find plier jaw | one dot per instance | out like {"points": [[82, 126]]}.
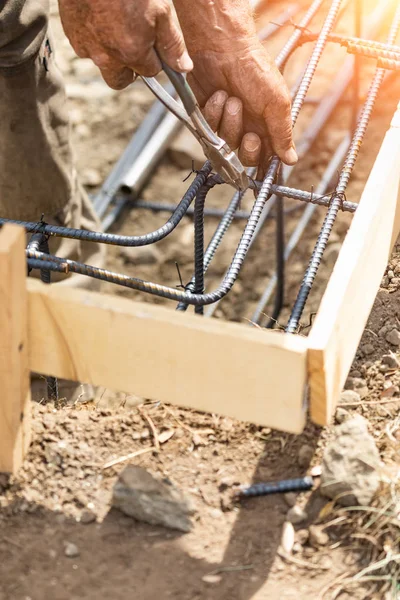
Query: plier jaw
{"points": [[223, 160], [226, 163]]}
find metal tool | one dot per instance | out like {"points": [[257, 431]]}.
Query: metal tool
{"points": [[224, 161]]}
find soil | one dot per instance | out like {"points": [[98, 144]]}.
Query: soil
{"points": [[62, 495]]}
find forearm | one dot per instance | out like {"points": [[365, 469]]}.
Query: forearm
{"points": [[215, 24]]}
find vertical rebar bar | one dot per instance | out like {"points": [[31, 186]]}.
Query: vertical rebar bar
{"points": [[338, 196], [199, 244]]}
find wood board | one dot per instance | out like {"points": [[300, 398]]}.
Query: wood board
{"points": [[352, 288]]}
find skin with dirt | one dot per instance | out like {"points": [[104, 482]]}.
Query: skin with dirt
{"points": [[62, 495]]}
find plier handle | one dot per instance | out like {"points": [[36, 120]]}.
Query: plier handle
{"points": [[224, 161]]}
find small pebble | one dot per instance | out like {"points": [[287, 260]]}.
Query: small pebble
{"points": [[145, 434], [302, 536], [290, 498], [71, 550], [211, 579], [87, 517], [390, 274], [318, 537], [287, 540], [368, 349], [391, 361], [393, 337], [305, 456], [296, 515], [341, 415], [350, 396]]}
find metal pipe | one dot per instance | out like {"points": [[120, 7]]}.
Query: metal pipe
{"points": [[133, 150]]}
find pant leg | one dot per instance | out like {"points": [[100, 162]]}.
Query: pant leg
{"points": [[37, 174]]}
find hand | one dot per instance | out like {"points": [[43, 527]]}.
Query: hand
{"points": [[246, 100], [122, 36]]}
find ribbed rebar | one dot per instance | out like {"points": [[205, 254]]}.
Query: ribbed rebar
{"points": [[199, 244], [346, 172], [122, 240], [373, 52], [386, 63]]}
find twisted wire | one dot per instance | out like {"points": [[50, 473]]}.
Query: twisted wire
{"points": [[338, 196]]}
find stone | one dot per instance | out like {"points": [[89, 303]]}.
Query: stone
{"points": [[391, 361], [390, 274], [357, 384], [87, 517], [91, 177], [302, 536], [341, 415], [288, 538], [290, 498], [142, 255], [71, 550], [297, 515], [367, 349], [350, 397], [305, 456], [351, 465], [393, 337], [140, 495], [212, 579], [317, 536]]}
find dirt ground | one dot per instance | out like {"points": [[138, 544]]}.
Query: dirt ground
{"points": [[62, 494]]}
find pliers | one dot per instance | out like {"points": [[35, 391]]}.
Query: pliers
{"points": [[224, 161]]}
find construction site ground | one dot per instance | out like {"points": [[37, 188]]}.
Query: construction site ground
{"points": [[62, 495]]}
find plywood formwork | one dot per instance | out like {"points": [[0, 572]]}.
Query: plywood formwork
{"points": [[235, 370]]}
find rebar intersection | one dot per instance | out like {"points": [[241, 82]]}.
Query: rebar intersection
{"points": [[270, 191]]}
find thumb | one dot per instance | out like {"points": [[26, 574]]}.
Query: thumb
{"points": [[170, 44]]}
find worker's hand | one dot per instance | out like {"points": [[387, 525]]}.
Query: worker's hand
{"points": [[121, 37], [246, 100]]}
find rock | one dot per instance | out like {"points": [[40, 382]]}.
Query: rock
{"points": [[290, 498], [212, 579], [287, 540], [393, 337], [305, 456], [351, 464], [367, 349], [87, 517], [140, 495], [91, 177], [390, 274], [391, 361], [357, 384], [350, 396], [341, 415], [302, 536], [142, 255], [297, 515], [317, 536], [71, 550]]}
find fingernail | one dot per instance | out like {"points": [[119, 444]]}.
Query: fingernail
{"points": [[252, 145], [290, 157], [234, 107], [185, 63]]}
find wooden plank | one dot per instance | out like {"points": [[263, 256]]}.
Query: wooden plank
{"points": [[14, 370], [351, 291], [156, 353]]}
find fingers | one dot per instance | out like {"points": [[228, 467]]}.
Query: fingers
{"points": [[170, 44], [250, 150], [214, 109], [231, 126], [278, 120], [115, 74]]}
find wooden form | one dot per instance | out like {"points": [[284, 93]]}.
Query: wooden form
{"points": [[247, 373]]}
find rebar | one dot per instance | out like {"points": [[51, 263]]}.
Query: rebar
{"points": [[377, 53], [338, 198]]}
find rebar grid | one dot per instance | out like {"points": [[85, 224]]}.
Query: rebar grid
{"points": [[269, 193]]}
